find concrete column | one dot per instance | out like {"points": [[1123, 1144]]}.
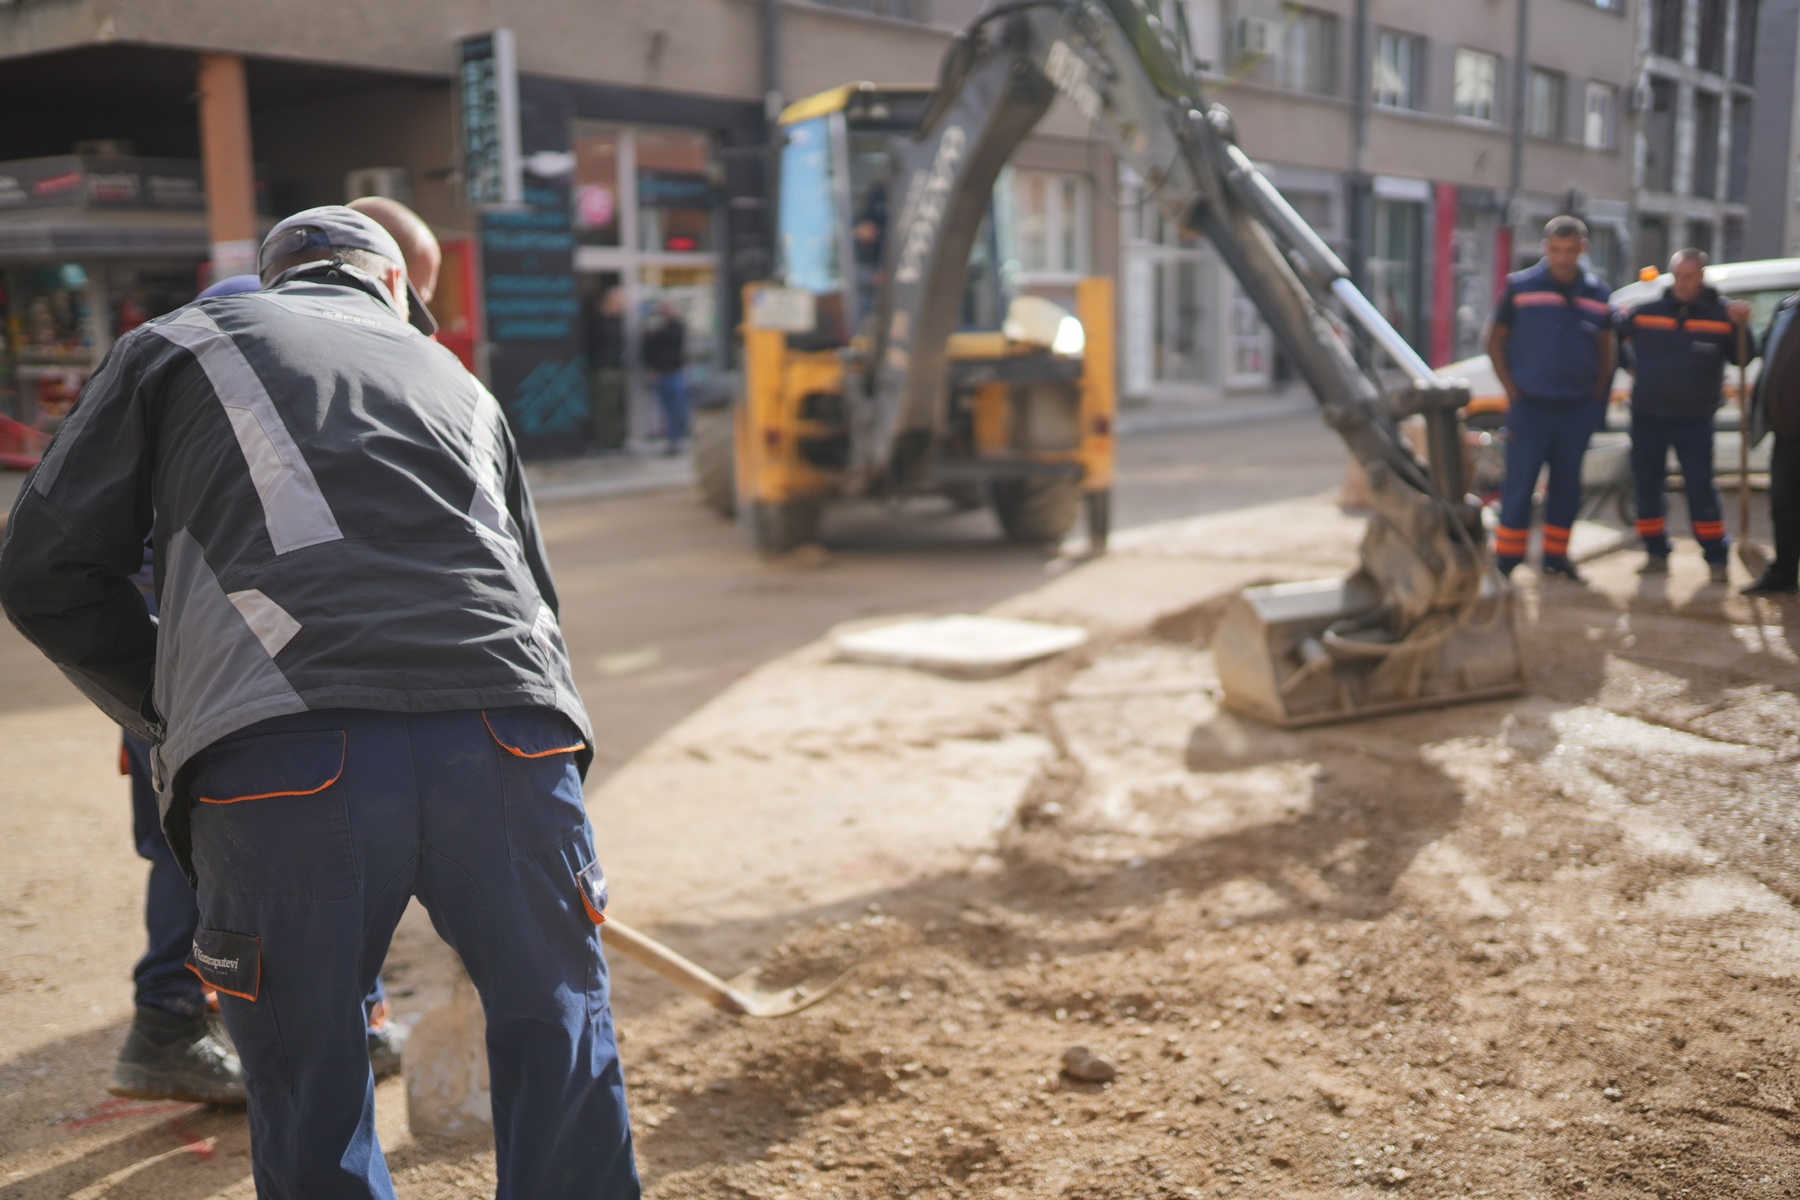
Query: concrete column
{"points": [[225, 151]]}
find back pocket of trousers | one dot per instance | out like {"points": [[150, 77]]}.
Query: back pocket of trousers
{"points": [[270, 818], [535, 749]]}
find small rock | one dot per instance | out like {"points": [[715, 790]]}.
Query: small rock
{"points": [[1612, 1093], [1398, 1175], [1083, 1064]]}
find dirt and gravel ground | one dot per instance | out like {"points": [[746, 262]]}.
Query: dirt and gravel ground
{"points": [[1537, 947]]}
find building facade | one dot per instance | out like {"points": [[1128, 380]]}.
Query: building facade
{"points": [[1422, 142], [150, 141]]}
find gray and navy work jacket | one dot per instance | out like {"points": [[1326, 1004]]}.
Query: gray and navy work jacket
{"points": [[339, 518], [1555, 332], [1679, 352]]}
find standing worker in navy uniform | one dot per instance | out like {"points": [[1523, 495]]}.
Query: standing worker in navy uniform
{"points": [[1678, 345], [358, 693], [1552, 346]]}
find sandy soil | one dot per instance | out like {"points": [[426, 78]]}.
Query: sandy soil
{"points": [[1537, 947]]}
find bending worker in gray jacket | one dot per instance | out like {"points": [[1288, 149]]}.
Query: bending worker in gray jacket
{"points": [[358, 693]]}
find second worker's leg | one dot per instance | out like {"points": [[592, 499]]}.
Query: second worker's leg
{"points": [[1649, 472], [1527, 443], [1573, 425], [1693, 441]]}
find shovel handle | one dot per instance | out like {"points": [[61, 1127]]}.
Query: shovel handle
{"points": [[684, 973], [1743, 435]]}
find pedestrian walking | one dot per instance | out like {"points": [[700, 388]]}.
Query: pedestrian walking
{"points": [[665, 354], [1552, 346], [1775, 411], [606, 356], [1677, 346], [358, 693]]}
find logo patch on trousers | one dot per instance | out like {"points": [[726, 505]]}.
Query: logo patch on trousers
{"points": [[592, 881], [229, 962]]}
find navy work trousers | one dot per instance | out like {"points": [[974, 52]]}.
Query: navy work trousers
{"points": [[1543, 433], [1652, 437], [310, 833], [1784, 507]]}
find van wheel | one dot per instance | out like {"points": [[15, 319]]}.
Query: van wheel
{"points": [[715, 461], [1036, 510]]}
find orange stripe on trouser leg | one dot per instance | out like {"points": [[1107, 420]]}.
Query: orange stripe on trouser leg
{"points": [[1509, 539], [1556, 539], [1709, 531], [1652, 525]]}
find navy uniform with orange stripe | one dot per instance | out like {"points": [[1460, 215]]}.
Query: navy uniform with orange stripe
{"points": [[1679, 351], [1554, 352]]}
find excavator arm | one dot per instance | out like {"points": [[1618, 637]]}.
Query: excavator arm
{"points": [[1426, 619]]}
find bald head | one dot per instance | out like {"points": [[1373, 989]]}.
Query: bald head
{"points": [[418, 244]]}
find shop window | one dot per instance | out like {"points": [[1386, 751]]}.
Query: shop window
{"points": [[1050, 224], [1659, 137], [1712, 36], [675, 191], [1745, 68], [1477, 82], [1309, 42], [1544, 99], [1600, 125], [1399, 78], [596, 196], [1665, 27], [1706, 145], [1394, 265], [51, 336]]}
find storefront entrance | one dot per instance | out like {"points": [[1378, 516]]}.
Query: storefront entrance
{"points": [[646, 215]]}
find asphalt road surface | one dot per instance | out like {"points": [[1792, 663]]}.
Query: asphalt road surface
{"points": [[664, 605]]}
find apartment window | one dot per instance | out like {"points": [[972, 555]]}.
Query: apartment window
{"points": [[1745, 71], [1544, 95], [1399, 70], [1050, 220], [1477, 77], [1706, 145], [1737, 178], [1600, 127], [1309, 43], [1665, 28], [1712, 36]]}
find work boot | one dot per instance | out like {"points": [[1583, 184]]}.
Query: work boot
{"points": [[387, 1043], [1719, 572], [1655, 564], [1562, 568], [171, 1057], [1771, 584]]}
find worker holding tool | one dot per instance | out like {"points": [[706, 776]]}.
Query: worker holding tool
{"points": [[1552, 347], [358, 693], [1775, 410], [1677, 346]]}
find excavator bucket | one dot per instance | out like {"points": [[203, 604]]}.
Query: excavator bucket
{"points": [[1426, 622]]}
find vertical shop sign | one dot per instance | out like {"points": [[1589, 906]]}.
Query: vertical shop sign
{"points": [[488, 88], [533, 320]]}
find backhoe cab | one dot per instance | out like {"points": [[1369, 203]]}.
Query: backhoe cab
{"points": [[1022, 415]]}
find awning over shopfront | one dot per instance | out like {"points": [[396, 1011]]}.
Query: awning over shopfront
{"points": [[52, 234]]}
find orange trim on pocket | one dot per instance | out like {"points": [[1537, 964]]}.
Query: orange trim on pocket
{"points": [[273, 795], [124, 760], [215, 987], [598, 917], [518, 753]]}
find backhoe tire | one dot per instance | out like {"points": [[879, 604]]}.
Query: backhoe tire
{"points": [[1036, 510], [715, 459], [778, 528]]}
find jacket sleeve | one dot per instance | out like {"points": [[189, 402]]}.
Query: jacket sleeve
{"points": [[524, 515], [75, 538]]}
